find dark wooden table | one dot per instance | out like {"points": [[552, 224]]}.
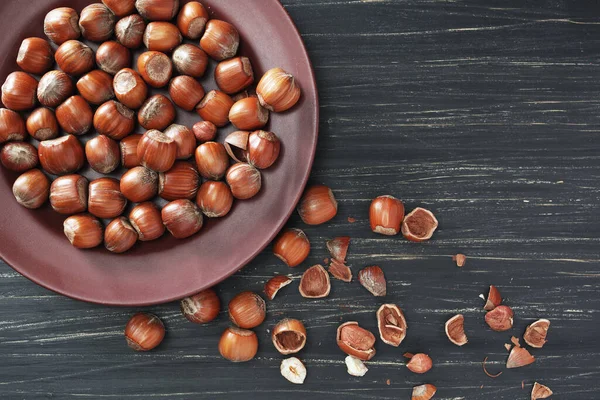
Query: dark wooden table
{"points": [[486, 112]]}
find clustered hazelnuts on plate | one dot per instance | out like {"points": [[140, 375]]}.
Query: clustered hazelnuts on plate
{"points": [[107, 94]]}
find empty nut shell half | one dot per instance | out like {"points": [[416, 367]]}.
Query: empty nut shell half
{"points": [[500, 319], [315, 283], [535, 334], [289, 336], [356, 341], [455, 330], [419, 363], [419, 225], [392, 324]]}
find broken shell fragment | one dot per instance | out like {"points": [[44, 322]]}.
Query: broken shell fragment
{"points": [[392, 324], [493, 300], [419, 363], [373, 279], [535, 334], [276, 283], [338, 248], [423, 392], [460, 260], [455, 330], [540, 392], [500, 319], [356, 341], [519, 357], [340, 271]]}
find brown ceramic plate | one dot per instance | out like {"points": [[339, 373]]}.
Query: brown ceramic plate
{"points": [[33, 243]]}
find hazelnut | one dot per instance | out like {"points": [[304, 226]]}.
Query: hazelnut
{"points": [[130, 31], [120, 8], [147, 221], [96, 87], [162, 36], [130, 88], [139, 184], [97, 22], [373, 279], [19, 156], [234, 75], [75, 115], [103, 154], [12, 126], [105, 200], [61, 156], [157, 151], [215, 107], [61, 25], [114, 120], [156, 68], [42, 124], [157, 112], [83, 231], [220, 40], [120, 236], [190, 60], [192, 19], [35, 56], [186, 92], [112, 57], [69, 194], [157, 10], [19, 91], [182, 218], [500, 319], [54, 88], [75, 58], [31, 189]]}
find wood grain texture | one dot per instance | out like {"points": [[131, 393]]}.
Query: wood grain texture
{"points": [[485, 112]]}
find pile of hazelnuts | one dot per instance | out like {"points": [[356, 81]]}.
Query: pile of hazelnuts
{"points": [[100, 92]]}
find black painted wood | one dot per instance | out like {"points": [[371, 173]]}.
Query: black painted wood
{"points": [[487, 113]]}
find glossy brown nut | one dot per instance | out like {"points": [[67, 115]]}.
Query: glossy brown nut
{"points": [[238, 345], [61, 25], [235, 75], [12, 126], [157, 10], [75, 116], [31, 189], [147, 221], [105, 199], [130, 88], [42, 124], [112, 57], [202, 307], [220, 40], [157, 112], [278, 91], [139, 184], [120, 8], [54, 88], [292, 247], [96, 87], [162, 36], [186, 92], [180, 182], [35, 56], [157, 151], [156, 68], [214, 199], [356, 341], [83, 231], [190, 60], [182, 218], [205, 131], [61, 156], [247, 310], [103, 154], [185, 139], [128, 147], [120, 236], [19, 156], [212, 160], [318, 205], [129, 31], [263, 149], [144, 331], [289, 336], [114, 120], [19, 91], [97, 22], [244, 180], [247, 114], [69, 194], [215, 107], [386, 214], [192, 19], [75, 58]]}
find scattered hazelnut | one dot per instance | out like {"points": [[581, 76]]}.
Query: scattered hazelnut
{"points": [[42, 124], [112, 57], [386, 214], [54, 88], [292, 247], [75, 116], [318, 205], [238, 345], [190, 60], [338, 247], [192, 19], [144, 332], [202, 307], [247, 310], [182, 218], [75, 58], [340, 271], [19, 156]]}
